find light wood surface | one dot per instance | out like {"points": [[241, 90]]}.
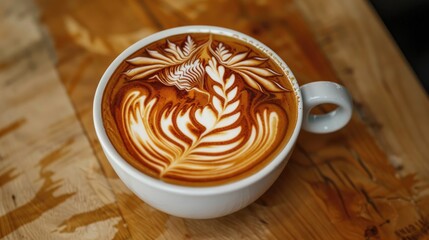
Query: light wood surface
{"points": [[388, 97], [51, 183], [367, 181]]}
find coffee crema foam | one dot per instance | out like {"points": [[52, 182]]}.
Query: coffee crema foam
{"points": [[199, 109]]}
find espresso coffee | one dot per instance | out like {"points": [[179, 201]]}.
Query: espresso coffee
{"points": [[199, 109]]}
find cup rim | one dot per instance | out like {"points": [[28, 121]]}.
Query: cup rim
{"points": [[110, 151]]}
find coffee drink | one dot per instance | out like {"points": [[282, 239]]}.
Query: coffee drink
{"points": [[199, 109]]}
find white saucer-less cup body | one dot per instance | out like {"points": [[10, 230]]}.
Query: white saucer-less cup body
{"points": [[217, 201]]}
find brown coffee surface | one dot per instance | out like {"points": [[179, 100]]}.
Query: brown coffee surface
{"points": [[199, 109]]}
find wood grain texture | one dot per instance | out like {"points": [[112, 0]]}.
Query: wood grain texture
{"points": [[336, 186], [48, 172], [388, 96]]}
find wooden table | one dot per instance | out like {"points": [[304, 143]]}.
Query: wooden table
{"points": [[367, 181]]}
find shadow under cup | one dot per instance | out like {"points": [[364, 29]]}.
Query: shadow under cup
{"points": [[198, 121]]}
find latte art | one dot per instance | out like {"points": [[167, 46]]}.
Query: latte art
{"points": [[198, 110], [198, 142]]}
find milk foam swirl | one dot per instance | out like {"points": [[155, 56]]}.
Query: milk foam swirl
{"points": [[199, 141], [175, 148]]}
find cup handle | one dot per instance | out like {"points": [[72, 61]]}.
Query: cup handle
{"points": [[322, 92]]}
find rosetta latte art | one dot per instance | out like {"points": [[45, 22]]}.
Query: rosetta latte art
{"points": [[212, 140], [220, 150]]}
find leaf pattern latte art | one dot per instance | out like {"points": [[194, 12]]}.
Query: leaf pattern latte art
{"points": [[207, 141], [175, 61]]}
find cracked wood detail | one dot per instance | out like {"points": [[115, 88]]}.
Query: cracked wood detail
{"points": [[48, 172]]}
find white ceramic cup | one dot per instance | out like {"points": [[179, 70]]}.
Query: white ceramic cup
{"points": [[217, 201]]}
